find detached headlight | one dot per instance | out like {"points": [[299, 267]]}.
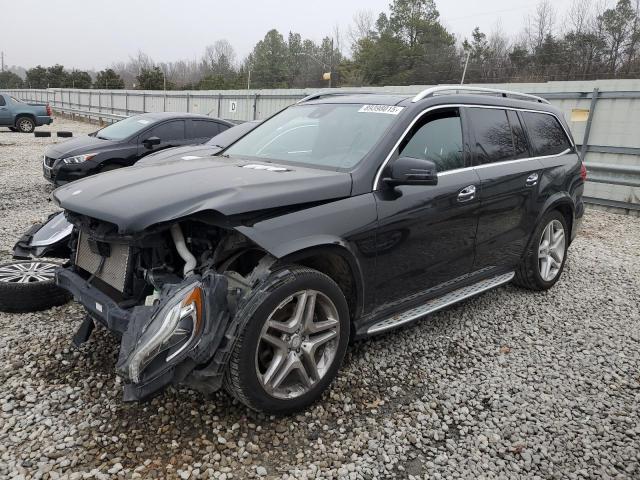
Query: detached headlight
{"points": [[171, 331], [79, 158]]}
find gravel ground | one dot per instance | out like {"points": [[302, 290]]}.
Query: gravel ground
{"points": [[511, 384]]}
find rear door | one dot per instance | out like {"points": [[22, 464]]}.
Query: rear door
{"points": [[5, 114], [509, 178]]}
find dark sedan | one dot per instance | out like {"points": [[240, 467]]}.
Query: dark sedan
{"points": [[124, 143]]}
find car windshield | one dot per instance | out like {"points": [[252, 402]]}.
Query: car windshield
{"points": [[325, 135], [124, 128]]}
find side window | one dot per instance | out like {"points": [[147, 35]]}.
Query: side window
{"points": [[173, 130], [520, 142], [437, 138], [204, 129], [546, 134], [2, 102], [494, 141]]}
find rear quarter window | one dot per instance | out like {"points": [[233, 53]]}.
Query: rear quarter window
{"points": [[546, 134], [2, 102]]}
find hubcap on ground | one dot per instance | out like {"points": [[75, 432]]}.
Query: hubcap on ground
{"points": [[28, 272], [298, 344], [551, 250]]}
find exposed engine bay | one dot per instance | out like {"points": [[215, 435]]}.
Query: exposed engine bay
{"points": [[171, 292]]}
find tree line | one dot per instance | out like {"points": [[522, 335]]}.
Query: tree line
{"points": [[407, 45]]}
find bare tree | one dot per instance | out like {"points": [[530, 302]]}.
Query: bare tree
{"points": [[362, 27], [540, 24], [219, 58], [578, 16]]}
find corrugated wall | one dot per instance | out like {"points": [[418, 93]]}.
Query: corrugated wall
{"points": [[615, 120]]}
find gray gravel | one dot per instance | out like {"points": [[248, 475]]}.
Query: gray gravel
{"points": [[511, 384]]}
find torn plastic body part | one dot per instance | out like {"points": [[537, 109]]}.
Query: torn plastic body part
{"points": [[50, 239], [155, 348], [163, 343]]}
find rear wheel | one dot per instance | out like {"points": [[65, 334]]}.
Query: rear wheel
{"points": [[542, 266], [293, 344], [25, 125], [29, 286]]}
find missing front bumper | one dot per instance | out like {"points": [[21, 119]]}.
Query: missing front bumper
{"points": [[135, 325]]}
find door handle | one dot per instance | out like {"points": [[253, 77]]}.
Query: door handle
{"points": [[532, 180], [467, 194]]}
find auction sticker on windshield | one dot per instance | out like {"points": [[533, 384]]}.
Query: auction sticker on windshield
{"points": [[388, 109]]}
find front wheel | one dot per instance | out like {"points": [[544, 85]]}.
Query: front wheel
{"points": [[293, 344], [544, 262]]}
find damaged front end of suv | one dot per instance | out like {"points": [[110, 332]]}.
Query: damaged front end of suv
{"points": [[161, 291]]}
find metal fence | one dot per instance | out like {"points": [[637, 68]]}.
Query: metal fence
{"points": [[604, 117]]}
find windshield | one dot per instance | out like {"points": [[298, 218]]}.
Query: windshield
{"points": [[325, 135], [124, 128]]}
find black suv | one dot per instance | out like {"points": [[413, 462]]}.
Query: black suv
{"points": [[340, 217], [125, 142]]}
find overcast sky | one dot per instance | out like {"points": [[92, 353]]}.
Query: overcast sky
{"points": [[92, 34]]}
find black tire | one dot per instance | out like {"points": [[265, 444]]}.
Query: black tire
{"points": [[241, 377], [25, 124], [528, 273], [32, 296], [13, 129]]}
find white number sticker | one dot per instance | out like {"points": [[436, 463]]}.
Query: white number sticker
{"points": [[388, 109]]}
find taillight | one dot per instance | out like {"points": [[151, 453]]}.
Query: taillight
{"points": [[583, 172], [48, 110]]}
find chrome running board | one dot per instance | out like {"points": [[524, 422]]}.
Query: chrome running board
{"points": [[439, 303]]}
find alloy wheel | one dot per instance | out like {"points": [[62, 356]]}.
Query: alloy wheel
{"points": [[551, 251], [27, 272], [25, 125], [298, 344]]}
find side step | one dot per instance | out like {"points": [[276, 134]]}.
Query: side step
{"points": [[439, 303]]}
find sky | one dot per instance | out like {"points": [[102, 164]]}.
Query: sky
{"points": [[91, 34]]}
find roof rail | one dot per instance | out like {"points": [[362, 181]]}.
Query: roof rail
{"points": [[430, 92], [317, 95]]}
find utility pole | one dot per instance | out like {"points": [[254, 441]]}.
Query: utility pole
{"points": [[331, 65], [466, 63]]}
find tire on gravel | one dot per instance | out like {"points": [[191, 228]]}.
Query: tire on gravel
{"points": [[32, 294], [241, 377], [13, 129], [528, 272]]}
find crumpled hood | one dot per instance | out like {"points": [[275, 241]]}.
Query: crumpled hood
{"points": [[137, 197], [77, 146]]}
